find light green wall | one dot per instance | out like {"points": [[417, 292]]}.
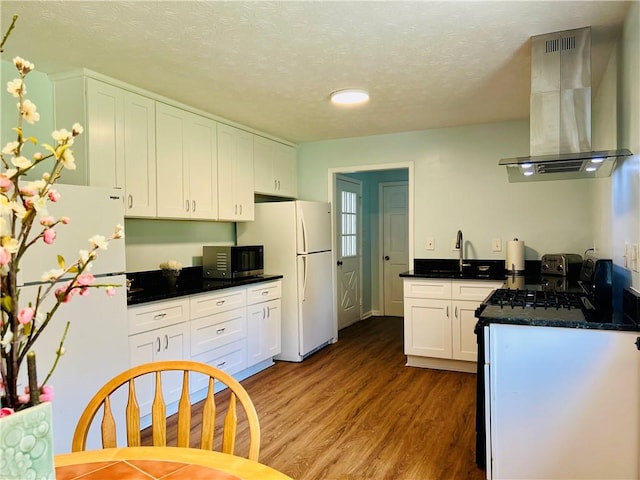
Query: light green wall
{"points": [[459, 185], [149, 242], [39, 91], [617, 201]]}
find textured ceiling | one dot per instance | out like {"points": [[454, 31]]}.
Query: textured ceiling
{"points": [[272, 65]]}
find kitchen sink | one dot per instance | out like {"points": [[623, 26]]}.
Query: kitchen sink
{"points": [[450, 268]]}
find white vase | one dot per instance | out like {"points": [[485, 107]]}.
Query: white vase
{"points": [[26, 445]]}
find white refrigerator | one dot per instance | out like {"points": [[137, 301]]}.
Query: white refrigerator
{"points": [[297, 244], [96, 346]]}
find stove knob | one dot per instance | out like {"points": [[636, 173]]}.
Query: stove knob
{"points": [[560, 268], [545, 266]]}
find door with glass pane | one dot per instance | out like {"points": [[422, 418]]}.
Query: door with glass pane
{"points": [[348, 205]]}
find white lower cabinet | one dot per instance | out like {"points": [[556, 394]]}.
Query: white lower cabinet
{"points": [[264, 316], [232, 329], [212, 336], [439, 321], [167, 343]]}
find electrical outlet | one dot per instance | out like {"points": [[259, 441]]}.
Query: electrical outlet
{"points": [[431, 243], [496, 245]]}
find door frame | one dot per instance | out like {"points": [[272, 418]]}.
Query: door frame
{"points": [[381, 236], [331, 179]]}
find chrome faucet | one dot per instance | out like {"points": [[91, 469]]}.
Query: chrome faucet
{"points": [[460, 246]]}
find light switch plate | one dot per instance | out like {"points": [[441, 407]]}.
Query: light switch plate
{"points": [[496, 245], [634, 257]]}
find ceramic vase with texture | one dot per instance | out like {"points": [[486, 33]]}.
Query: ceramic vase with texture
{"points": [[26, 444], [171, 277]]}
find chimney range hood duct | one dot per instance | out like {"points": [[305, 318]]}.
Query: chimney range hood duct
{"points": [[560, 118]]}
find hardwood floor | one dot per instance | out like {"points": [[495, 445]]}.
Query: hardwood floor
{"points": [[354, 411]]}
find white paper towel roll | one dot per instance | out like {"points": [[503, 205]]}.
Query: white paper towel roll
{"points": [[515, 256]]}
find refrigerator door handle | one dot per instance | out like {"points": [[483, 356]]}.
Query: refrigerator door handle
{"points": [[304, 234], [304, 278]]}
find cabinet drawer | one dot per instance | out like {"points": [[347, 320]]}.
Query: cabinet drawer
{"points": [[231, 358], [212, 303], [217, 330], [427, 288], [264, 292], [473, 289], [148, 317]]}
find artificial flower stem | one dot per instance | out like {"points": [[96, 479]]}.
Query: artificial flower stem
{"points": [[34, 391], [6, 35], [59, 353]]}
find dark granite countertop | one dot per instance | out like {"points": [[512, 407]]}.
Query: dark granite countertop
{"points": [[151, 286], [617, 323], [450, 268]]}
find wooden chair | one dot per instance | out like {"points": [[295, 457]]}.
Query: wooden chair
{"points": [[158, 410]]}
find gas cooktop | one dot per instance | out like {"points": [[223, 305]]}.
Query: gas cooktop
{"points": [[536, 304]]}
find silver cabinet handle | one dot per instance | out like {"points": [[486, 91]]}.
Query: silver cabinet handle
{"points": [[159, 316], [130, 201], [221, 330], [220, 302], [456, 312], [275, 184], [187, 205], [221, 364], [265, 292], [158, 344], [166, 342], [240, 209], [447, 311], [235, 209], [193, 209]]}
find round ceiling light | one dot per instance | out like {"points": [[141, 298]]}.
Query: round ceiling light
{"points": [[350, 96]]}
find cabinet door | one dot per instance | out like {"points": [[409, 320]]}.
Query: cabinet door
{"points": [[235, 174], [105, 130], [427, 327], [244, 176], [263, 331], [432, 288], [465, 346], [169, 343], [139, 155], [264, 178], [263, 292], [285, 170], [200, 152], [172, 179], [213, 331]]}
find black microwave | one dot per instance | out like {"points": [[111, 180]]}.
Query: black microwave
{"points": [[232, 261]]}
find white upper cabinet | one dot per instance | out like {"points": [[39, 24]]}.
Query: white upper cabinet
{"points": [[186, 164], [202, 154], [235, 174], [99, 108], [139, 155], [275, 168], [117, 148]]}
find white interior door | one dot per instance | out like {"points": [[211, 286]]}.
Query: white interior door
{"points": [[394, 197], [348, 204]]}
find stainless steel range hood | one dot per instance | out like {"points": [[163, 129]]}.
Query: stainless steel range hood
{"points": [[560, 118]]}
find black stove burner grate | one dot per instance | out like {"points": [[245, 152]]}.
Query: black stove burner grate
{"points": [[536, 299]]}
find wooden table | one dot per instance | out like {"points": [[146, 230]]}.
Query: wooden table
{"points": [[168, 463]]}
